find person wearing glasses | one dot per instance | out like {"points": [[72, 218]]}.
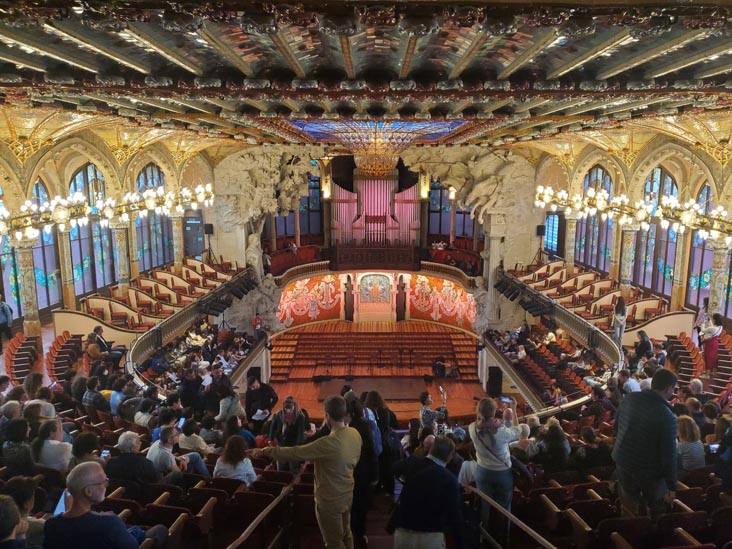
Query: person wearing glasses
{"points": [[79, 526]]}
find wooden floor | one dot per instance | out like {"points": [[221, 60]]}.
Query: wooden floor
{"points": [[349, 351]]}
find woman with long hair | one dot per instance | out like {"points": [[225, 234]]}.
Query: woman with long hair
{"points": [[31, 384], [49, 449], [553, 449], [491, 437], [710, 338], [233, 426], [702, 320], [643, 347], [288, 429], [690, 447], [619, 317], [387, 423], [233, 463]]}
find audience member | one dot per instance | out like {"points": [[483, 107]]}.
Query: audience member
{"points": [[49, 448], [690, 447], [17, 453], [85, 448], [233, 463], [190, 441], [12, 526], [44, 398], [130, 465], [366, 472], [260, 401], [167, 464], [23, 491]]}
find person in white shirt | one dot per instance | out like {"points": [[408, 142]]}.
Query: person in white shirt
{"points": [[491, 437], [48, 447], [233, 463], [44, 398], [190, 441]]}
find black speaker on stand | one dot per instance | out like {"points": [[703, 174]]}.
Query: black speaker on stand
{"points": [[208, 230], [494, 385], [540, 230]]}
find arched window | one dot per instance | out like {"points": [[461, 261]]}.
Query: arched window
{"points": [[91, 245], [9, 263], [154, 231], [702, 255], [439, 211], [551, 233], [594, 235], [311, 212], [655, 253], [45, 258]]}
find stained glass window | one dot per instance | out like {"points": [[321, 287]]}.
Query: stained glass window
{"points": [[91, 245], [593, 238], [45, 258], [310, 208], [439, 211], [655, 252], [700, 262], [551, 234], [154, 231]]}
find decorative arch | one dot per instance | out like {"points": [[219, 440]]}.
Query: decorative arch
{"points": [[592, 156], [154, 154], [678, 159], [11, 173], [551, 172], [195, 170], [73, 153]]}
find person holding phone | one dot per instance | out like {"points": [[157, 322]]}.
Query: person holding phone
{"points": [[491, 437]]}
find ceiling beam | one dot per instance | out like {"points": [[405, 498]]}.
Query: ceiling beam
{"points": [[18, 57], [345, 44], [714, 71], [77, 59], [495, 105], [645, 56], [407, 59], [114, 101], [211, 33], [688, 60], [195, 105], [81, 37], [281, 44], [475, 45], [561, 106], [222, 103], [635, 104], [528, 54], [160, 104], [612, 42], [522, 107], [146, 34], [590, 106]]}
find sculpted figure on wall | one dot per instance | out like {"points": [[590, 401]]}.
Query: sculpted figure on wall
{"points": [[264, 299]]}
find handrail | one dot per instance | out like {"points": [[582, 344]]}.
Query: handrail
{"points": [[261, 516], [448, 271], [299, 271], [526, 529], [168, 329]]}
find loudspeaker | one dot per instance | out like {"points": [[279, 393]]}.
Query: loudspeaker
{"points": [[208, 228], [494, 385], [540, 230]]}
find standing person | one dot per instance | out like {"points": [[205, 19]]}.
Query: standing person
{"points": [[258, 326], [643, 348], [702, 320], [288, 429], [645, 447], [6, 320], [79, 526], [710, 338], [260, 400], [491, 437], [619, 319], [430, 502], [365, 474], [427, 417], [335, 457], [387, 423]]}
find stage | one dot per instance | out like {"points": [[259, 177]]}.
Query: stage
{"points": [[314, 361]]}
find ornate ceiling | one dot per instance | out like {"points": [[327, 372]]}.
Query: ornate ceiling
{"points": [[233, 74]]}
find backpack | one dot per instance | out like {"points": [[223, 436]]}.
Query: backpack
{"points": [[375, 433]]}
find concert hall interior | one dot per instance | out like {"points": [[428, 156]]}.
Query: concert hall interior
{"points": [[437, 201]]}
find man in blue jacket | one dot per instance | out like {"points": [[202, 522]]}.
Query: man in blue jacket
{"points": [[645, 447], [431, 501]]}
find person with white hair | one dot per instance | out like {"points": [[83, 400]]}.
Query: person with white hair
{"points": [[524, 443], [131, 465], [696, 386], [79, 526], [9, 410]]}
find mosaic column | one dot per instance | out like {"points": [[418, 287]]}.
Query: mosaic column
{"points": [[68, 292], [626, 258], [28, 294], [678, 289], [570, 236], [122, 258], [178, 245], [720, 267], [134, 248], [614, 244]]}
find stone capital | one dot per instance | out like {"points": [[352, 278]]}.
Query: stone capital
{"points": [[630, 227], [24, 243], [718, 245], [118, 224]]}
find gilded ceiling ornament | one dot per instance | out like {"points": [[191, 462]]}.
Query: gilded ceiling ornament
{"points": [[179, 157], [23, 147], [721, 151]]}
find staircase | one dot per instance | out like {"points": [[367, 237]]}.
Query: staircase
{"points": [[688, 360]]}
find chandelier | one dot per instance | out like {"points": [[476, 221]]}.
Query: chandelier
{"points": [[75, 210], [666, 212], [376, 146]]}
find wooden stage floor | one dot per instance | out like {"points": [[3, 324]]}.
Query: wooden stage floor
{"points": [[404, 388]]}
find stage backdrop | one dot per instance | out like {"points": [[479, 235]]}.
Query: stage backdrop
{"points": [[441, 300], [310, 300]]}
